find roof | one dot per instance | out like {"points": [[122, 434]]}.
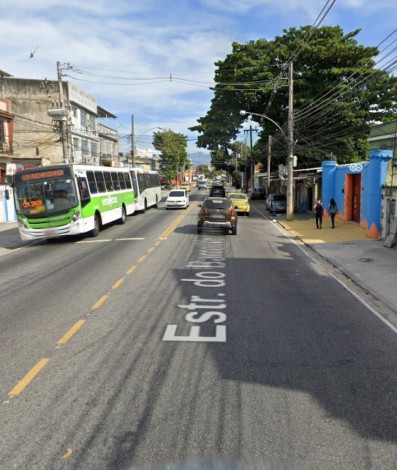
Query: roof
{"points": [[103, 113]]}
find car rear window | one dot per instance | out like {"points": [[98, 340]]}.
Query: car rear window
{"points": [[176, 193], [217, 203], [237, 196], [279, 198]]}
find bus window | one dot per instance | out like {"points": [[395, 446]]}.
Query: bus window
{"points": [[115, 181], [134, 183], [127, 178], [83, 191], [108, 181], [121, 180], [92, 182], [100, 182]]}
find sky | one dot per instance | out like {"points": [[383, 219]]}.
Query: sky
{"points": [[154, 59]]}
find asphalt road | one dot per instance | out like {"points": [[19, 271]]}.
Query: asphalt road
{"points": [[152, 344]]}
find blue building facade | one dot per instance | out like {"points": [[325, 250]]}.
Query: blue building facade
{"points": [[357, 189]]}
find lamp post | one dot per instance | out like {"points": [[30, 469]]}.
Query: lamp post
{"points": [[290, 176]]}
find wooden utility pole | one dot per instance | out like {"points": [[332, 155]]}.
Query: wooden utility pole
{"points": [[132, 141], [290, 162], [269, 156], [62, 123]]}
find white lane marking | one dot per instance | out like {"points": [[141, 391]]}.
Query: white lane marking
{"points": [[104, 240], [127, 239]]}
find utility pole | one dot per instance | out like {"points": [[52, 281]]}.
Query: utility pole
{"points": [[62, 123], [290, 180], [269, 156], [251, 163], [132, 141]]}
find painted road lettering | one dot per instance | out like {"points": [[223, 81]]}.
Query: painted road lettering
{"points": [[206, 275]]}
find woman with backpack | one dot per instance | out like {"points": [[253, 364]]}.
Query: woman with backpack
{"points": [[319, 210], [332, 211]]}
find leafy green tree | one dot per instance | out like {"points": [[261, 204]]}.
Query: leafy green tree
{"points": [[173, 147], [338, 92]]}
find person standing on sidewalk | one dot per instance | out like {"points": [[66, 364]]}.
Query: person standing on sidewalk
{"points": [[319, 211], [332, 210]]}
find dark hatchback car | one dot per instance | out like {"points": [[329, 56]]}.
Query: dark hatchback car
{"points": [[217, 190], [257, 193], [218, 213]]}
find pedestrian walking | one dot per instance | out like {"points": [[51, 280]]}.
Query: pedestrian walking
{"points": [[319, 211], [332, 210]]}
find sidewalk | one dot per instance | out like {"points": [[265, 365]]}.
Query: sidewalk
{"points": [[364, 260]]}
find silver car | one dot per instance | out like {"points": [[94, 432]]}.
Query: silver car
{"points": [[276, 203]]}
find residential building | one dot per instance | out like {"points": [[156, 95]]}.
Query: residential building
{"points": [[37, 136]]}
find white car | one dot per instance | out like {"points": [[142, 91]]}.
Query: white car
{"points": [[177, 199]]}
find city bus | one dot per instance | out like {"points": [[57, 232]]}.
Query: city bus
{"points": [[147, 188], [60, 200]]}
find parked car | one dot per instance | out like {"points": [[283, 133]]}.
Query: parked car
{"points": [[218, 213], [177, 199], [276, 203], [258, 193], [240, 202], [217, 190], [186, 187]]}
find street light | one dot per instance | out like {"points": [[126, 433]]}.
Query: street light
{"points": [[290, 176], [244, 113], [133, 140]]}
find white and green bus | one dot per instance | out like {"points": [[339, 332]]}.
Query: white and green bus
{"points": [[147, 188], [60, 200]]}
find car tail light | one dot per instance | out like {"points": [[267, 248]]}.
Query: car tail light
{"points": [[202, 211], [233, 213]]}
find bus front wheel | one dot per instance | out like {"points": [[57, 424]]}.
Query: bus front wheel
{"points": [[97, 226]]}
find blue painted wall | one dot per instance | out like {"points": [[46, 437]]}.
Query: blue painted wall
{"points": [[373, 176]]}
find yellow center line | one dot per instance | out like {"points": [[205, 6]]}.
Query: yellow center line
{"points": [[141, 258], [149, 250], [157, 243], [71, 332], [102, 300], [118, 283], [132, 269], [28, 378], [173, 226]]}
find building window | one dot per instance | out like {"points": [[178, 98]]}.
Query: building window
{"points": [[83, 118], [85, 147], [92, 123]]}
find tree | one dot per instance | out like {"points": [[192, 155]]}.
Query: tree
{"points": [[173, 152], [338, 92]]}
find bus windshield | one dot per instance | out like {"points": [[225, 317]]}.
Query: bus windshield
{"points": [[45, 197]]}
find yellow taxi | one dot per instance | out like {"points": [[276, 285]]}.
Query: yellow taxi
{"points": [[240, 202], [186, 187]]}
